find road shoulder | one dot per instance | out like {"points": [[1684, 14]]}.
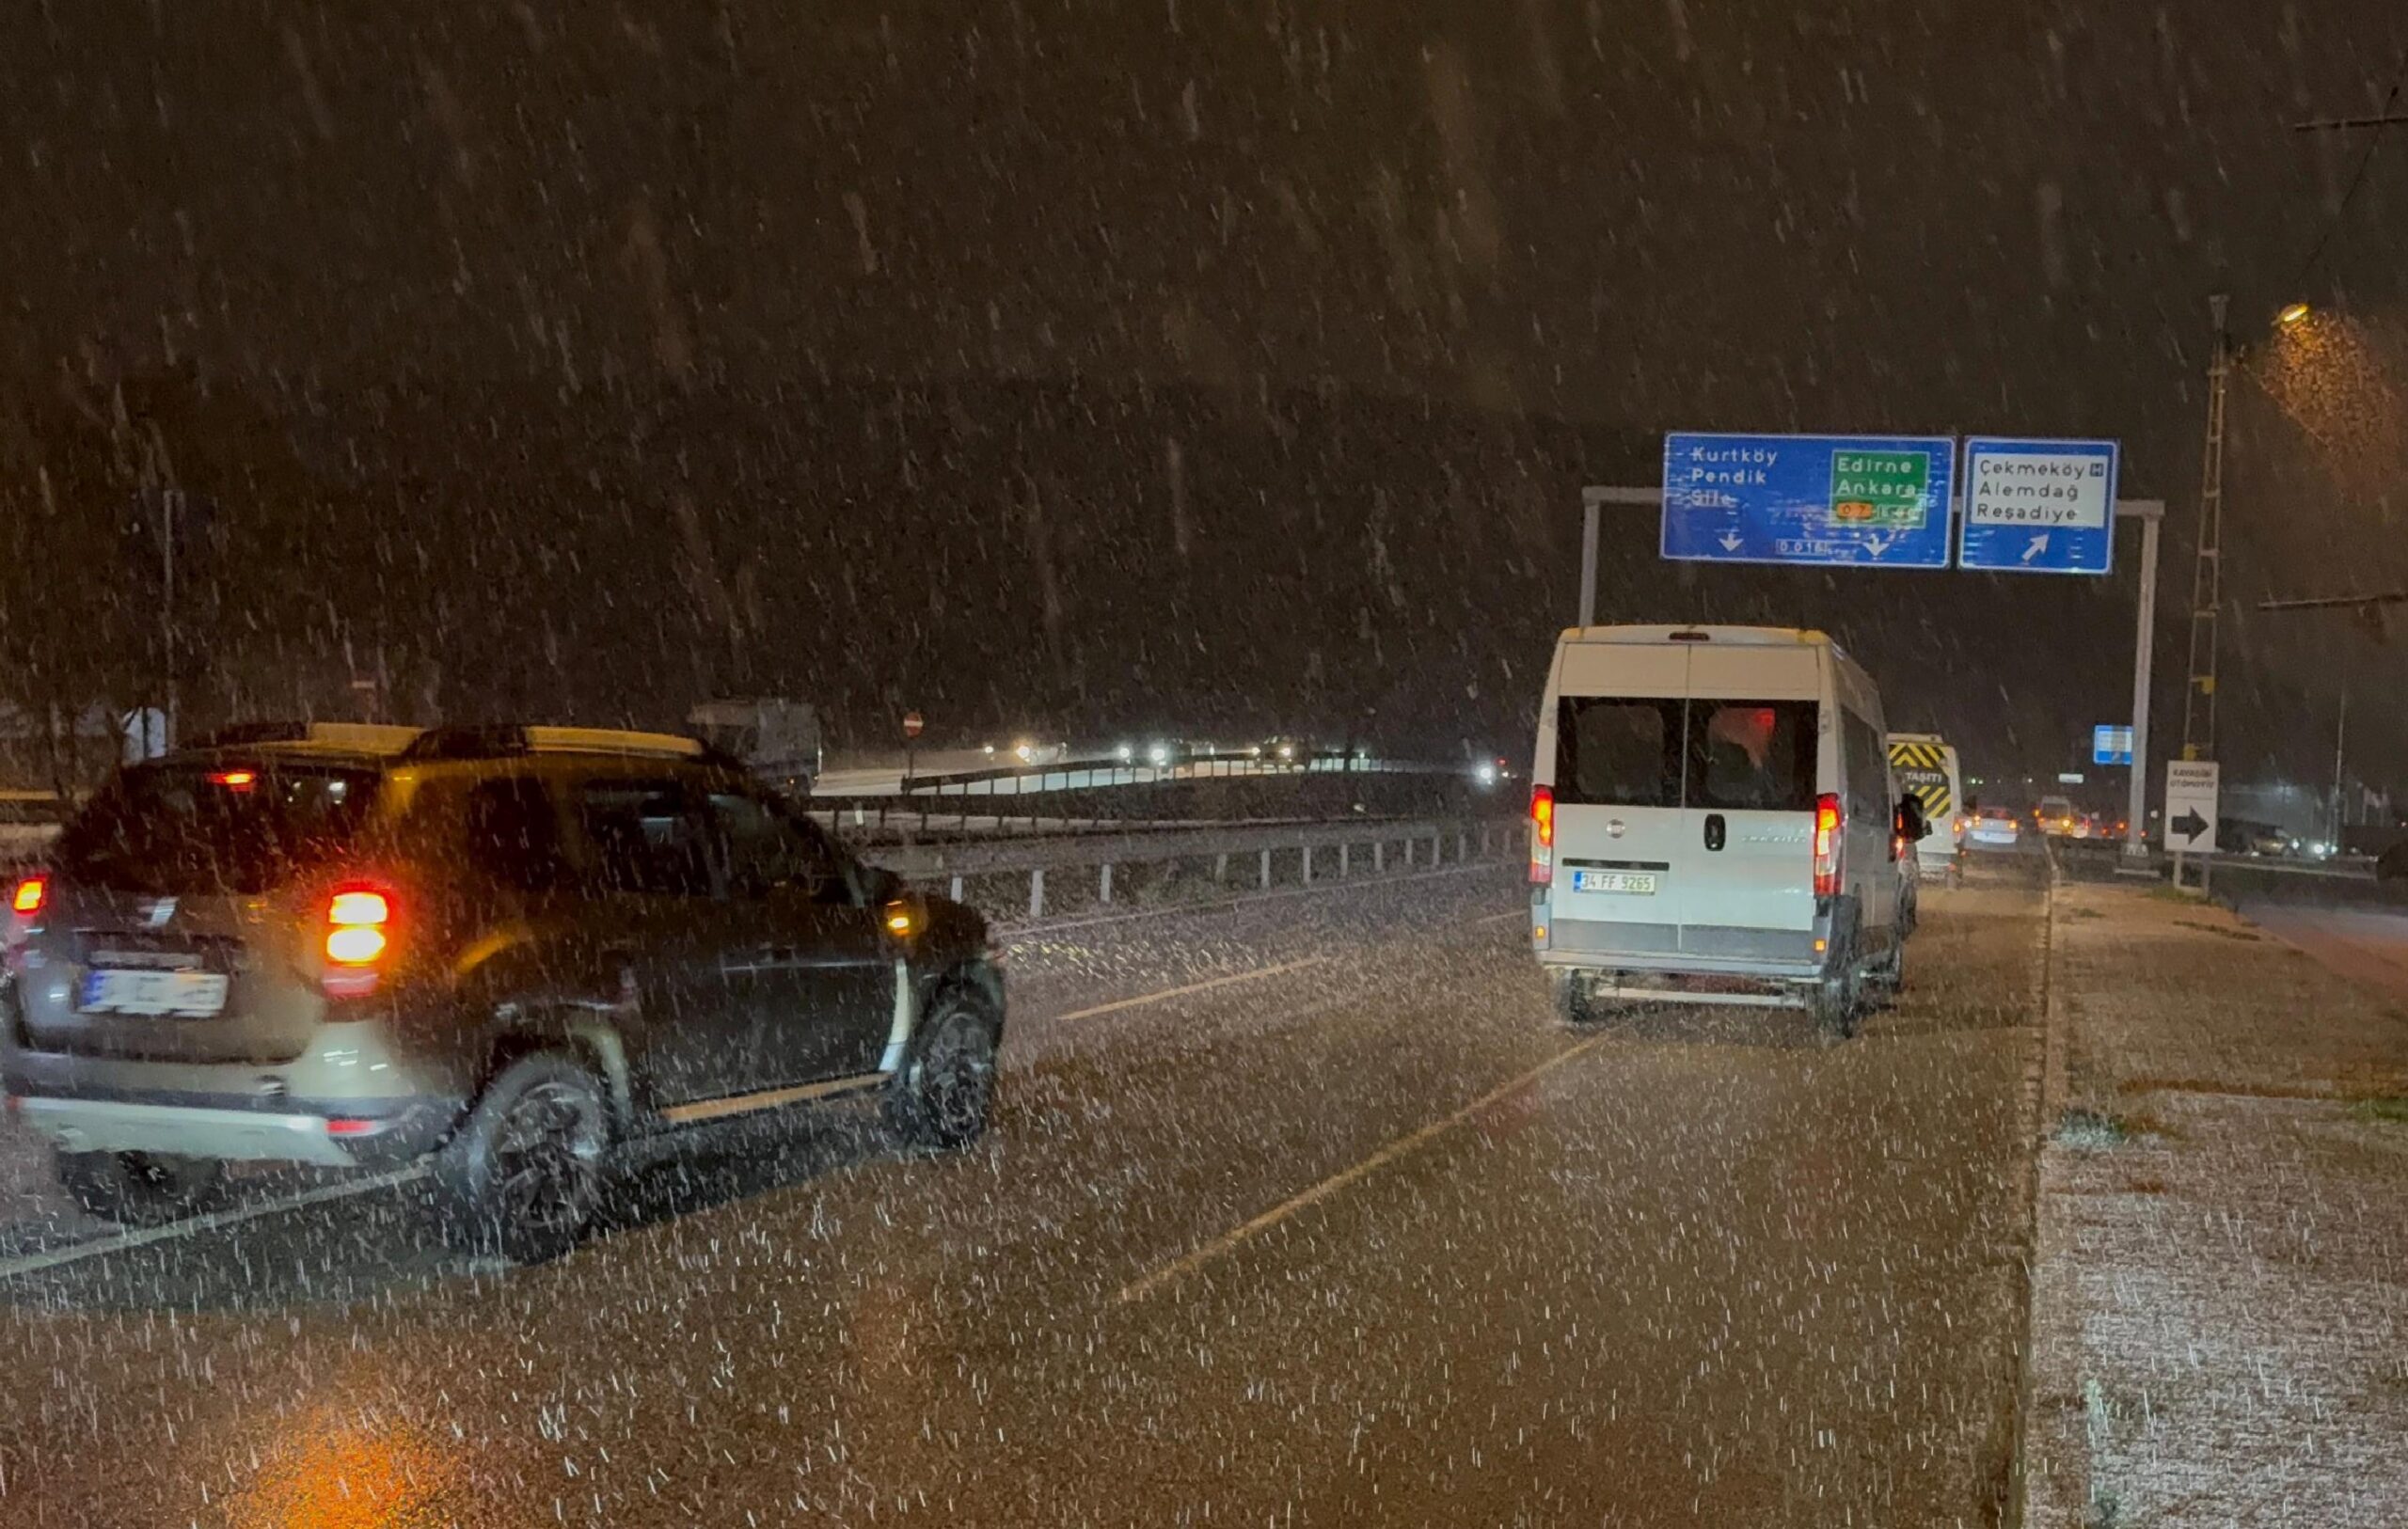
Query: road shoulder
{"points": [[2215, 1288]]}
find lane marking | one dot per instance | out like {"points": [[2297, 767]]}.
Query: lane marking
{"points": [[1206, 985], [1146, 1285], [76, 1251], [1499, 918]]}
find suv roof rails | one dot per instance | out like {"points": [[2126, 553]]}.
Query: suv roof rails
{"points": [[504, 739], [353, 737]]}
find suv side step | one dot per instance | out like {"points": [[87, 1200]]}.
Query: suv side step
{"points": [[768, 1099]]}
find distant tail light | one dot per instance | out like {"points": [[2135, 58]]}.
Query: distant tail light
{"points": [[359, 921], [1828, 822], [234, 780], [1542, 836], [31, 896]]}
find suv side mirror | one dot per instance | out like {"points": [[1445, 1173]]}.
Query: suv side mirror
{"points": [[873, 885]]}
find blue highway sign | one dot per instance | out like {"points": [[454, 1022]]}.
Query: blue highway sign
{"points": [[2111, 745], [2038, 506], [1861, 501]]}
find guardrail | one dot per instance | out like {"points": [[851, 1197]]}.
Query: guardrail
{"points": [[1064, 801], [1025, 880], [1089, 774], [2338, 868]]}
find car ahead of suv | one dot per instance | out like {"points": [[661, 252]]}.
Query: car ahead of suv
{"points": [[1712, 821], [505, 949]]}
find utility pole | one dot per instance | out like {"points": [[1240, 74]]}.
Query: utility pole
{"points": [[168, 504], [2206, 579], [2340, 745]]}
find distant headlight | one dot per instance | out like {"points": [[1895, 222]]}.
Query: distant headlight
{"points": [[1158, 754], [1485, 775], [1126, 754]]}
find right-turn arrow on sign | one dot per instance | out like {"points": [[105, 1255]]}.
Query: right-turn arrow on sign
{"points": [[2190, 806]]}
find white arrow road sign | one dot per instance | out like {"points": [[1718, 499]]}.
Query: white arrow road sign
{"points": [[2040, 544], [2190, 806]]}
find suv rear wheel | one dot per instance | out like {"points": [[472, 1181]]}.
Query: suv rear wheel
{"points": [[136, 1188], [940, 1100], [524, 1175]]}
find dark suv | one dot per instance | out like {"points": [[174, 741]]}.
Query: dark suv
{"points": [[507, 948]]}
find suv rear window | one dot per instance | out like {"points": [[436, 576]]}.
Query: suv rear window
{"points": [[190, 829]]}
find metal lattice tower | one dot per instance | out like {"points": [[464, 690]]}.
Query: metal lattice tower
{"points": [[2207, 582]]}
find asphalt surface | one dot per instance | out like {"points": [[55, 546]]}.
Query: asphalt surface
{"points": [[1305, 1212], [2367, 945]]}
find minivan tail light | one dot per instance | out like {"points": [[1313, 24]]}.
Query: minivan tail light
{"points": [[31, 895], [1827, 822], [1542, 835]]}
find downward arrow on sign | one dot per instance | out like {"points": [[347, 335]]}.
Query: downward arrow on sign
{"points": [[1731, 540], [1878, 545]]}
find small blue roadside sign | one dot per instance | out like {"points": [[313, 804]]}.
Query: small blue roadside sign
{"points": [[2038, 506], [1864, 500], [2111, 745]]}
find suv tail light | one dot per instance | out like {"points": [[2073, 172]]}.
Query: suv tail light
{"points": [[1542, 835], [1828, 820], [31, 896], [357, 924]]}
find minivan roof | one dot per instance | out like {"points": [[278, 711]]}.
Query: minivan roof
{"points": [[1747, 636]]}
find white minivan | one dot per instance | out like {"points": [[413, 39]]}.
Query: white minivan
{"points": [[1711, 821]]}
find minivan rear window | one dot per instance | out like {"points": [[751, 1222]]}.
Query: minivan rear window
{"points": [[1752, 756], [1615, 750], [191, 828]]}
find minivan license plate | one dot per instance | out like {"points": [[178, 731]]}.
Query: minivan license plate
{"points": [[184, 994], [1630, 883]]}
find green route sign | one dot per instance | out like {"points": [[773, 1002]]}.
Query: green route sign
{"points": [[1885, 489]]}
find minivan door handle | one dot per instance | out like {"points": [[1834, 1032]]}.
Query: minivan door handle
{"points": [[1717, 833]]}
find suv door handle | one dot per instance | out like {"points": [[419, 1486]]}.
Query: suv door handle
{"points": [[1716, 831]]}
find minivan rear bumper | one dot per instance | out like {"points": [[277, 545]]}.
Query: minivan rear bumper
{"points": [[1685, 965]]}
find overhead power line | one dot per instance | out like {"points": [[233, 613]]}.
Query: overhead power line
{"points": [[2384, 117]]}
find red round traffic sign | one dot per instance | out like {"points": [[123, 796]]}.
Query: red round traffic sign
{"points": [[913, 723]]}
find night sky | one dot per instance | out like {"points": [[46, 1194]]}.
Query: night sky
{"points": [[1093, 366]]}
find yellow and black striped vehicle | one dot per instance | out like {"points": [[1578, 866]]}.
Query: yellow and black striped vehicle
{"points": [[1924, 765]]}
